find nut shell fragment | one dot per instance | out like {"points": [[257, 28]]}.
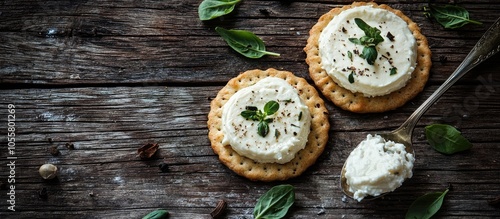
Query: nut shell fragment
{"points": [[48, 171], [147, 150]]}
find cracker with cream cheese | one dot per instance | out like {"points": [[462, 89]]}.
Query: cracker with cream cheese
{"points": [[357, 102], [249, 168]]}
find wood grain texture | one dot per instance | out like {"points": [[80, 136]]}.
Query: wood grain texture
{"points": [[85, 42], [110, 76]]}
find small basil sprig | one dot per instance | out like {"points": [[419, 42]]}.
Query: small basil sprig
{"points": [[275, 202], [157, 214], [245, 42], [425, 206], [369, 41], [253, 113], [210, 9], [449, 16], [446, 139]]}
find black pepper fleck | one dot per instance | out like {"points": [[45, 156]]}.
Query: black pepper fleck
{"points": [[390, 36]]}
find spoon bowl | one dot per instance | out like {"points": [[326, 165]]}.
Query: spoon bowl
{"points": [[487, 46]]}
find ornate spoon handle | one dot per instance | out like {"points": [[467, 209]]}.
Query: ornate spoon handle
{"points": [[487, 46]]}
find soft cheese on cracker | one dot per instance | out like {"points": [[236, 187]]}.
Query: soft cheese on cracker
{"points": [[288, 129], [374, 67], [268, 125], [396, 54]]}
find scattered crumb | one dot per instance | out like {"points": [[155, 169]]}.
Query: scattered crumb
{"points": [[70, 145], [344, 199], [321, 210], [54, 151]]}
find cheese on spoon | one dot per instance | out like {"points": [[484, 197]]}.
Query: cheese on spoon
{"points": [[377, 166]]}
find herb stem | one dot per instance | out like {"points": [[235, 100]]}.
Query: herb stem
{"points": [[270, 53], [465, 19]]}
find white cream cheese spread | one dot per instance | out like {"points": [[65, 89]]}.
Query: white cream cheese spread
{"points": [[340, 57], [288, 131], [377, 166]]}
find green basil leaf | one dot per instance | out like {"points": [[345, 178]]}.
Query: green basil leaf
{"points": [[425, 206], [251, 108], [370, 54], [394, 71], [450, 16], [349, 55], [377, 38], [373, 36], [351, 77], [366, 41], [244, 42], [255, 114], [363, 26], [263, 128], [248, 114], [157, 214], [271, 107], [355, 41], [275, 202], [446, 139], [210, 9], [369, 41]]}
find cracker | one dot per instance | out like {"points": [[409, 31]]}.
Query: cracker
{"points": [[251, 169], [357, 102]]}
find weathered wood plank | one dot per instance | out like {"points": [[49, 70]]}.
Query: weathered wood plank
{"points": [[109, 76], [107, 125], [83, 42]]}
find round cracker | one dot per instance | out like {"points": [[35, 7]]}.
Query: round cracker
{"points": [[251, 169], [357, 102]]}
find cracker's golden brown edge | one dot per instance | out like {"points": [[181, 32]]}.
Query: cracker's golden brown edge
{"points": [[357, 102], [255, 171]]}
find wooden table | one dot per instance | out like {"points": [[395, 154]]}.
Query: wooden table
{"points": [[109, 76]]}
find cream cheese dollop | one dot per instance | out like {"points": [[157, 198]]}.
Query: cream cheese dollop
{"points": [[377, 166], [288, 132], [398, 50]]}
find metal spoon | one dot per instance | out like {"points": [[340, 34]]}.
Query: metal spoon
{"points": [[487, 46]]}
